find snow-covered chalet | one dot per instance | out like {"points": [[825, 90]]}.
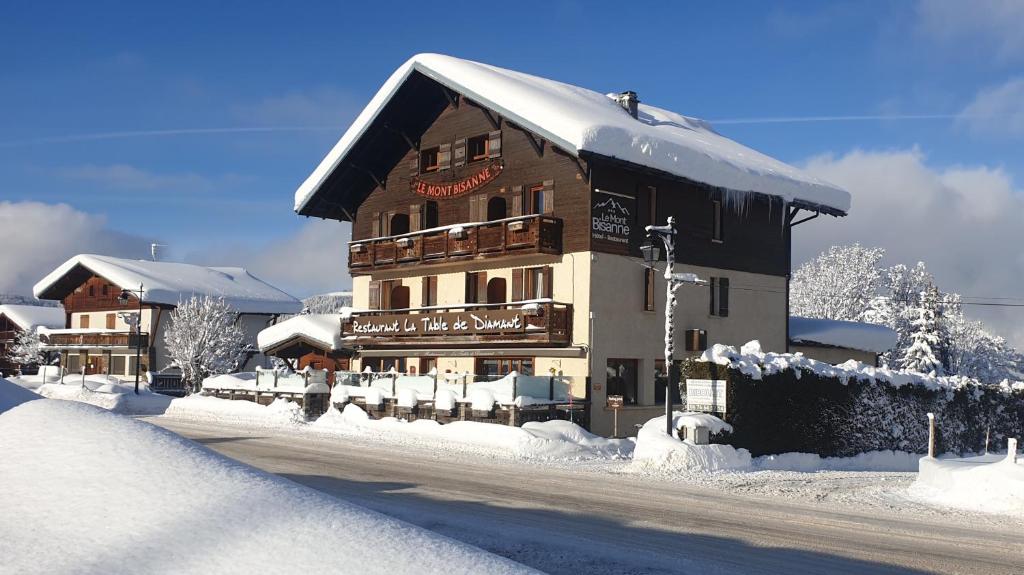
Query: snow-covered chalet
{"points": [[497, 219], [16, 319]]}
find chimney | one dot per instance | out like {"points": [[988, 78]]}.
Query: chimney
{"points": [[628, 101]]}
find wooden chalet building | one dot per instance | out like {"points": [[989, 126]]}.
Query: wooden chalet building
{"points": [[497, 219], [97, 335], [308, 340], [18, 319]]}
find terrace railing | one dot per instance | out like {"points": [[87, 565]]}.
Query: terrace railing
{"points": [[93, 339]]}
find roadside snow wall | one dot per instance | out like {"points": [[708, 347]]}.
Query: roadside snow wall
{"points": [[781, 403]]}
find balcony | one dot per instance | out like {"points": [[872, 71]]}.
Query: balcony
{"points": [[539, 323], [7, 336], [533, 234], [77, 338]]}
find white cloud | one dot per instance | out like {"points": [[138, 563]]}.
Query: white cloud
{"points": [[992, 24], [964, 222], [312, 261], [998, 109], [126, 177], [35, 238]]}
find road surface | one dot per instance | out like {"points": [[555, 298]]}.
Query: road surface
{"points": [[562, 520]]}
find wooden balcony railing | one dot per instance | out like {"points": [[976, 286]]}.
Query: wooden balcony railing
{"points": [[101, 339], [528, 323], [9, 335], [520, 235]]}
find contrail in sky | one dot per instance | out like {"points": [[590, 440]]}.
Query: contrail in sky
{"points": [[158, 133], [808, 119]]}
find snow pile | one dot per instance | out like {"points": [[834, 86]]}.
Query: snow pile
{"points": [[845, 334], [280, 413], [12, 395], [109, 393], [29, 317], [656, 451], [535, 440], [990, 483], [50, 375], [181, 508], [324, 329], [579, 120], [811, 462]]}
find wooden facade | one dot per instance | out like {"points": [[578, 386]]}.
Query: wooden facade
{"points": [[9, 332]]}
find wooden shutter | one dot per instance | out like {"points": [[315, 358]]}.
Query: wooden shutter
{"points": [[549, 197], [517, 201], [472, 209], [723, 297], [374, 294], [111, 319], [713, 305], [429, 296], [481, 287], [414, 164], [375, 225], [517, 284], [415, 217], [83, 321], [649, 289], [548, 282], [460, 152], [494, 144], [444, 157]]}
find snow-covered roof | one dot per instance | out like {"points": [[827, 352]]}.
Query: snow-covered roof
{"points": [[845, 334], [29, 317], [579, 120], [322, 328], [172, 282]]}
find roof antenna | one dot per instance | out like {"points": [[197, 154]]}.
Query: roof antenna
{"points": [[154, 249]]}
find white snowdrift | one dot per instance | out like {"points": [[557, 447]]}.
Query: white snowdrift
{"points": [[12, 395], [657, 451], [988, 483], [108, 393], [86, 491], [534, 440]]}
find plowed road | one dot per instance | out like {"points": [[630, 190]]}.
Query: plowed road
{"points": [[579, 522]]}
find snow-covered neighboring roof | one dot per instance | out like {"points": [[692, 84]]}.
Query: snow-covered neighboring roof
{"points": [[323, 328], [845, 334], [172, 282], [29, 317], [579, 120]]}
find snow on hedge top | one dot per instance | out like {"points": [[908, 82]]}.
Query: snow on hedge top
{"points": [[576, 119], [323, 328], [172, 282], [846, 334], [186, 508], [29, 317]]}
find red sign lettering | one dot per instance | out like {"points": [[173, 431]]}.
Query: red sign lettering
{"points": [[458, 188]]}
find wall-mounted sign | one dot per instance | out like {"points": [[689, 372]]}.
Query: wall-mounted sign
{"points": [[437, 324], [446, 190], [612, 218], [707, 395]]}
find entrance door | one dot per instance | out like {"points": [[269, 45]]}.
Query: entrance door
{"points": [[96, 365]]}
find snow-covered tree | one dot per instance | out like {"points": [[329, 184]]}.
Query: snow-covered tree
{"points": [[26, 349], [922, 355], [839, 284], [204, 339], [327, 302]]}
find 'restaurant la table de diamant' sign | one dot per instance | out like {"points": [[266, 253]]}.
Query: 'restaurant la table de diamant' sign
{"points": [[453, 323]]}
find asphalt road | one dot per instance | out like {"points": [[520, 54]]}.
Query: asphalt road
{"points": [[562, 520]]}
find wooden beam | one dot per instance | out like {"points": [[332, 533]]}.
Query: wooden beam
{"points": [[453, 98], [412, 145], [376, 180]]}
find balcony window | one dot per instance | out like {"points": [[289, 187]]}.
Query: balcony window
{"points": [[497, 291], [428, 160], [398, 225], [496, 209], [477, 148], [430, 219]]}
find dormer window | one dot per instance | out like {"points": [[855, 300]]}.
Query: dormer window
{"points": [[477, 148], [428, 160]]}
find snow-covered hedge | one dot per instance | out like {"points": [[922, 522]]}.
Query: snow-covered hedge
{"points": [[782, 403]]}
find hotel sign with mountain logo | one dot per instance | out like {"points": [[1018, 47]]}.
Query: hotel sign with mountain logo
{"points": [[461, 187], [611, 221]]}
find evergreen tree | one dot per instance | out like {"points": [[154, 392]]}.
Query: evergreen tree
{"points": [[925, 338]]}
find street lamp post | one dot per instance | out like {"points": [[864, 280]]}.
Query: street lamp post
{"points": [[123, 300], [673, 281]]}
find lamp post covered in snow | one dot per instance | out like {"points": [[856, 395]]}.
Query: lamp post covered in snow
{"points": [[673, 280], [123, 300]]}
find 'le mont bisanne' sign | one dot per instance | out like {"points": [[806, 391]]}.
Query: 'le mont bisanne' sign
{"points": [[445, 190], [451, 323]]}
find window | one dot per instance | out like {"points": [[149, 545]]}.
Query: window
{"points": [[496, 291], [428, 160], [83, 321], [429, 291], [500, 366], [111, 320], [477, 148], [496, 209], [649, 280], [660, 382], [92, 290], [476, 287], [536, 200], [106, 289], [384, 364], [622, 379], [538, 283], [716, 225], [720, 297], [430, 219], [74, 363], [399, 297], [117, 365], [398, 225]]}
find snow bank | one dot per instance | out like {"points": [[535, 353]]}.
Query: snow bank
{"points": [[811, 462], [656, 451], [12, 395], [535, 440], [86, 491], [989, 483], [845, 334], [108, 393], [280, 412]]}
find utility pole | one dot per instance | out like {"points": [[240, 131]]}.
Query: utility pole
{"points": [[123, 300]]}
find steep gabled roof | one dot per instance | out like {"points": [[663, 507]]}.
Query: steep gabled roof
{"points": [[169, 283], [581, 121], [29, 317]]}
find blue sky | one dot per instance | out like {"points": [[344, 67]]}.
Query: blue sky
{"points": [[81, 69]]}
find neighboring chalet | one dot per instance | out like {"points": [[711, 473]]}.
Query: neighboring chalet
{"points": [[308, 340], [18, 319], [835, 341], [497, 220], [97, 333]]}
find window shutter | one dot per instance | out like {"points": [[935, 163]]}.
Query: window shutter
{"points": [[414, 164], [548, 282], [460, 152], [375, 225], [648, 289], [415, 217], [472, 209], [723, 297], [517, 201], [374, 294], [494, 144], [444, 157], [549, 197], [713, 306], [481, 287], [517, 284]]}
